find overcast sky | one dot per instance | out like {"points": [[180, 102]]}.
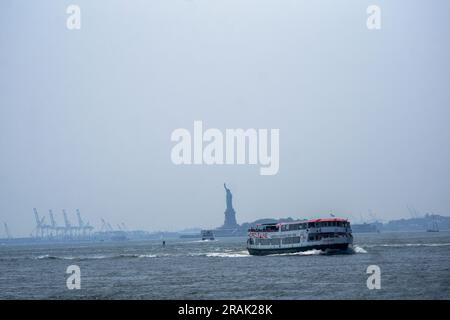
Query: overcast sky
{"points": [[86, 115]]}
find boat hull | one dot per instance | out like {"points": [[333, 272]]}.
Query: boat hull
{"points": [[323, 247]]}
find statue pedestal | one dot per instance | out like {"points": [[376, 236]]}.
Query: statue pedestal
{"points": [[230, 219]]}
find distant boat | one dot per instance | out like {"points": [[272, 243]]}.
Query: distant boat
{"points": [[207, 235]]}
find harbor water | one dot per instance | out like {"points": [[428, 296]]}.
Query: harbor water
{"points": [[412, 265]]}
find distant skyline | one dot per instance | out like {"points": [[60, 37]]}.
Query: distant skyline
{"points": [[86, 115]]}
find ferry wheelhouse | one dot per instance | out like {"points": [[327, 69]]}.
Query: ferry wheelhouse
{"points": [[322, 234]]}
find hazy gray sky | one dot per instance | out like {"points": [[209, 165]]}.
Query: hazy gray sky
{"points": [[86, 115]]}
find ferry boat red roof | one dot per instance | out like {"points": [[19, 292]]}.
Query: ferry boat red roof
{"points": [[326, 220], [305, 221], [315, 220]]}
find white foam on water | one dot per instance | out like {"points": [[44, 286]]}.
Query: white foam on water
{"points": [[93, 257], [314, 252], [135, 255], [238, 254], [311, 252], [44, 256], [147, 256], [358, 249], [50, 257]]}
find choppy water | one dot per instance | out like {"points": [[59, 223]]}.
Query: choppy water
{"points": [[413, 266]]}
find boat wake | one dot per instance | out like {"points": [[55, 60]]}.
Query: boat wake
{"points": [[226, 254], [229, 254], [315, 252], [312, 252]]}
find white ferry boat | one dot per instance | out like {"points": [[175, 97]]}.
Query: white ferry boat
{"points": [[322, 234]]}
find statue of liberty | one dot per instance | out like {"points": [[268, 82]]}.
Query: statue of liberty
{"points": [[230, 214], [229, 198]]}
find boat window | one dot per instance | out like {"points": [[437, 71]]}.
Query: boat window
{"points": [[275, 241], [291, 240], [271, 228]]}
